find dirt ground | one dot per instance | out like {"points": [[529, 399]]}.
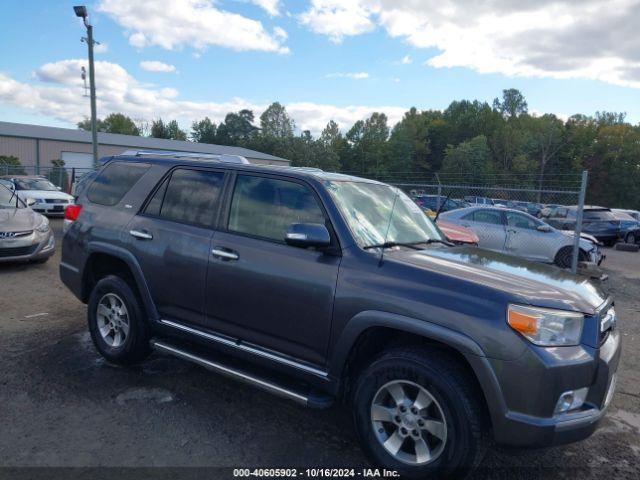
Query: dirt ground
{"points": [[61, 405]]}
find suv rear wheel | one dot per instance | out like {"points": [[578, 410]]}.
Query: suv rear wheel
{"points": [[116, 322], [416, 412]]}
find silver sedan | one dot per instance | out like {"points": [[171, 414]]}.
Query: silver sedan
{"points": [[522, 235], [25, 235]]}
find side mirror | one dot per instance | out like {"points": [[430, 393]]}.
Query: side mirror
{"points": [[305, 235], [30, 202], [544, 228]]}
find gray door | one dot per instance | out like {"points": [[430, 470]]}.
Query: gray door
{"points": [[488, 224], [171, 239], [524, 240], [261, 290]]}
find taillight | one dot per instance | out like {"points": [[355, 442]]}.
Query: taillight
{"points": [[72, 211]]}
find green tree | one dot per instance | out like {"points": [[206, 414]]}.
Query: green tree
{"points": [[10, 165], [470, 157], [113, 123], [170, 130], [58, 174], [275, 122], [512, 105], [237, 128], [203, 131]]}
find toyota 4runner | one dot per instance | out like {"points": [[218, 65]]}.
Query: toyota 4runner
{"points": [[322, 287]]}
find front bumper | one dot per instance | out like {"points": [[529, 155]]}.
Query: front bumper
{"points": [[35, 246], [523, 414], [51, 209]]}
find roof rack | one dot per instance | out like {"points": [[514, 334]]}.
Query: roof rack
{"points": [[300, 169], [191, 155]]}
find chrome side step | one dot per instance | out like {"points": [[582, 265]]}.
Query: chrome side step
{"points": [[165, 347]]}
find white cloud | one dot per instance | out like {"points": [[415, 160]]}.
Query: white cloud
{"points": [[58, 93], [352, 75], [337, 18], [272, 7], [173, 24], [549, 38], [406, 60], [156, 66]]}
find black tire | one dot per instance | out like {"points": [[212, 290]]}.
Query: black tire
{"points": [[631, 238], [455, 391], [564, 257], [135, 347]]}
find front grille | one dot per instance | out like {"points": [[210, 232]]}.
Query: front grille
{"points": [[17, 251], [56, 200], [15, 234]]}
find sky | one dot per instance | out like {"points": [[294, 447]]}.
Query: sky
{"points": [[322, 59]]}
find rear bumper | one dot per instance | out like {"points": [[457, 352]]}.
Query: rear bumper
{"points": [[528, 388]]}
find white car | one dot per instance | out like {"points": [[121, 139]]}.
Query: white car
{"points": [[48, 198]]}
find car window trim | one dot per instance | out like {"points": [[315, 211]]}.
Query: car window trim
{"points": [[224, 226], [167, 178]]}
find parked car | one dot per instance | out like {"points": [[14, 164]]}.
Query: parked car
{"points": [[597, 221], [633, 213], [457, 234], [48, 198], [548, 210], [517, 233], [320, 287], [430, 204], [24, 234], [629, 226]]}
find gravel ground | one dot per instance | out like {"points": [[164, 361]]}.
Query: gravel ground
{"points": [[61, 405]]}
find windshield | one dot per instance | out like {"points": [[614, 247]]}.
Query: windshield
{"points": [[9, 199], [35, 184], [367, 208]]}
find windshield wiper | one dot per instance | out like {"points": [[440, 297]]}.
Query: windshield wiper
{"points": [[394, 244], [413, 245]]}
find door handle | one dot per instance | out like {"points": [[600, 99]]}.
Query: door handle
{"points": [[141, 235], [227, 255]]}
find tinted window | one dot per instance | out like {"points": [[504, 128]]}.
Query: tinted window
{"points": [[488, 216], [522, 221], [115, 181], [189, 196], [266, 207]]}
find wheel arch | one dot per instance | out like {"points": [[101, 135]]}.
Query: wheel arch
{"points": [[105, 259], [370, 332]]}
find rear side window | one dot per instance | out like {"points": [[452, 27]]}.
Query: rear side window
{"points": [[188, 196], [115, 181], [488, 216], [265, 207]]}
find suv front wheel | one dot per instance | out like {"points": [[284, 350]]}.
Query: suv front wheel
{"points": [[416, 412], [116, 322]]}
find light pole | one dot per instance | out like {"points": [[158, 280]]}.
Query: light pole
{"points": [[81, 11]]}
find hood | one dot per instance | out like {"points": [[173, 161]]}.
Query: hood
{"points": [[584, 237], [44, 194], [529, 283], [18, 219]]}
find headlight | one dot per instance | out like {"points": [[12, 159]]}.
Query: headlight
{"points": [[44, 226], [39, 200], [546, 327]]}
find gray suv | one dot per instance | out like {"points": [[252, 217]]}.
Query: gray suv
{"points": [[326, 288]]}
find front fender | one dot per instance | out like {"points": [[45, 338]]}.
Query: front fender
{"points": [[465, 345]]}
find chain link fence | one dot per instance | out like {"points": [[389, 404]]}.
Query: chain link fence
{"points": [[534, 217], [62, 177]]}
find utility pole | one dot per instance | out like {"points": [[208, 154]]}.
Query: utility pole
{"points": [[81, 11]]}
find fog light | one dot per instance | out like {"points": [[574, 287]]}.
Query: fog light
{"points": [[571, 400]]}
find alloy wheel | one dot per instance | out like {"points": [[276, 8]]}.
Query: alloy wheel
{"points": [[113, 320], [409, 422]]}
